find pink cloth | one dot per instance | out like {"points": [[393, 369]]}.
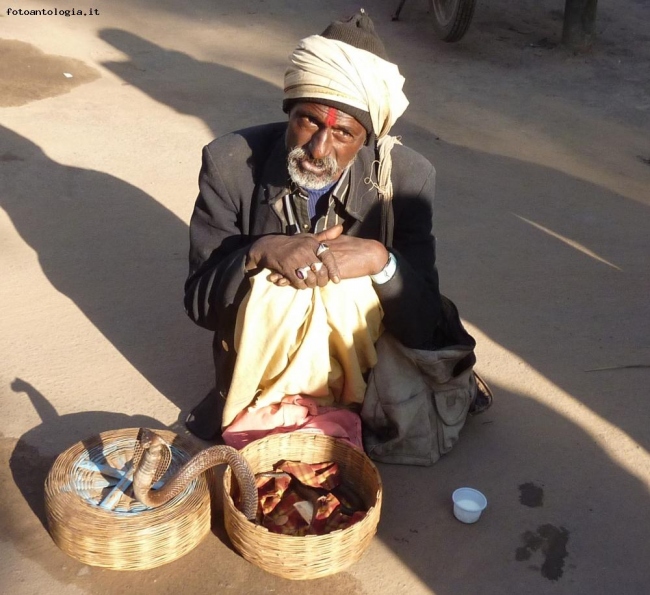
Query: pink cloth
{"points": [[294, 413]]}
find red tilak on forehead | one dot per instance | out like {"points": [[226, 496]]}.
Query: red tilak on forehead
{"points": [[332, 113]]}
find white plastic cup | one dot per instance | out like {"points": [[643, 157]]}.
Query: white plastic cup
{"points": [[468, 504]]}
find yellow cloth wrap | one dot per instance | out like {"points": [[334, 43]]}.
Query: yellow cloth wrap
{"points": [[316, 342]]}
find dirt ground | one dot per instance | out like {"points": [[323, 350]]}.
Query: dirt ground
{"points": [[543, 161]]}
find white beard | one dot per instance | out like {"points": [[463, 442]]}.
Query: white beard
{"points": [[310, 180]]}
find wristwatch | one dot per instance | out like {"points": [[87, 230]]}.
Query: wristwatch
{"points": [[387, 273]]}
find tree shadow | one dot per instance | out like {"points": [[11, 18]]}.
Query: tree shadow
{"points": [[217, 95], [116, 252]]}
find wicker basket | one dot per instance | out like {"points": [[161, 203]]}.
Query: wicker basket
{"points": [[129, 536], [312, 556]]}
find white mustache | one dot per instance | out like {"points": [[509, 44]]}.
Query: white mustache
{"points": [[328, 163]]}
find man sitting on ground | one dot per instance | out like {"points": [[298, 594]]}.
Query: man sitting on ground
{"points": [[289, 264]]}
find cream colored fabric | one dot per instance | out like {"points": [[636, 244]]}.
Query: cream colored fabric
{"points": [[331, 69], [384, 181], [316, 342]]}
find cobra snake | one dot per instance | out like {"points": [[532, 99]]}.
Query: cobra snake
{"points": [[149, 462]]}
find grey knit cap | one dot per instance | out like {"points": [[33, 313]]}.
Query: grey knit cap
{"points": [[358, 31]]}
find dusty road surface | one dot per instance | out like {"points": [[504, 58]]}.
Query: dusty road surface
{"points": [[543, 224]]}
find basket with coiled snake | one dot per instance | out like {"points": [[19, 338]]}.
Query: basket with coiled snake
{"points": [[134, 499]]}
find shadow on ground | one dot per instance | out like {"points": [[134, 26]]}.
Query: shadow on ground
{"points": [[114, 251]]}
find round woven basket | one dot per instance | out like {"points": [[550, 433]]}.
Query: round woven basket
{"points": [[127, 535], [312, 556]]}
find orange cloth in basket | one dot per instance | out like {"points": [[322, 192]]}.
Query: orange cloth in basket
{"points": [[279, 497]]}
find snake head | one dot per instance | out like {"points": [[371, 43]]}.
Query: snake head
{"points": [[149, 440], [146, 438]]}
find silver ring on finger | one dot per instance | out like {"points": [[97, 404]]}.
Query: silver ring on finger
{"points": [[322, 248], [316, 266], [302, 272]]}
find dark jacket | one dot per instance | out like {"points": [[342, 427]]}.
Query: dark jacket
{"points": [[242, 181]]}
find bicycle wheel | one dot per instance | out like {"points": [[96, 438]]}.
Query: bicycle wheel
{"points": [[451, 18]]}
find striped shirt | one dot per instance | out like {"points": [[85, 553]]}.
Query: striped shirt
{"points": [[330, 209]]}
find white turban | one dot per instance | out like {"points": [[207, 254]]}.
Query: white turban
{"points": [[323, 68]]}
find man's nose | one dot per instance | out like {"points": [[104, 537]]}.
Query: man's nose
{"points": [[320, 145]]}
